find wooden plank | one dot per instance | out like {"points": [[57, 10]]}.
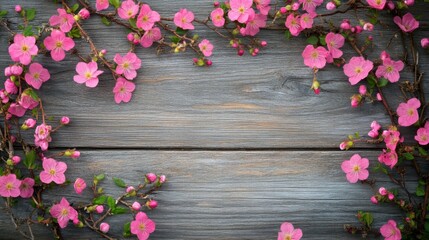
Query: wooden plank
{"points": [[239, 102], [232, 195]]}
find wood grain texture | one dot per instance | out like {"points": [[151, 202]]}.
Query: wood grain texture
{"points": [[232, 195], [239, 102]]}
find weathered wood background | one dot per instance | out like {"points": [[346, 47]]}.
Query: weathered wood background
{"points": [[246, 144]]}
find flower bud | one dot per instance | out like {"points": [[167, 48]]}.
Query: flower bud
{"points": [[200, 62], [18, 8], [99, 209], [10, 86], [362, 89], [29, 123], [330, 6], [263, 43], [209, 62], [379, 98], [216, 4], [104, 227], [16, 159], [425, 42], [65, 120], [390, 5], [355, 100], [359, 29], [295, 6], [7, 72], [162, 179], [103, 52], [345, 25], [131, 191], [382, 191], [152, 204], [283, 10], [390, 196], [84, 13], [151, 177], [368, 27], [130, 37], [384, 55], [75, 154], [136, 206], [9, 162], [374, 200], [373, 133], [240, 52], [16, 70], [76, 17], [409, 2], [76, 221]]}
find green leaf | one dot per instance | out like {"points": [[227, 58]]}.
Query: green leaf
{"points": [[371, 81], [382, 82], [422, 151], [111, 202], [105, 21], [181, 31], [119, 182], [119, 210], [288, 35], [99, 177], [30, 14], [408, 156], [322, 40], [175, 39], [313, 40], [132, 22], [420, 191], [74, 33], [127, 229], [1, 171], [28, 31], [380, 168], [30, 158], [427, 226], [75, 7], [3, 13], [115, 3], [99, 200], [368, 218]]}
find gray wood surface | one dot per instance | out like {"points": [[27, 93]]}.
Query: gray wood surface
{"points": [[193, 124]]}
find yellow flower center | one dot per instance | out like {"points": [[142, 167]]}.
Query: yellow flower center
{"points": [[36, 75], [9, 186], [241, 10], [142, 226], [145, 18], [24, 48], [126, 65], [59, 44], [356, 168], [314, 55], [64, 212], [378, 2], [52, 171], [130, 13], [288, 237], [410, 112], [88, 75], [122, 90], [358, 69], [389, 69], [184, 20]]}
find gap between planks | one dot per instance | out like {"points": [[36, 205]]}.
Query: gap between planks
{"points": [[216, 149]]}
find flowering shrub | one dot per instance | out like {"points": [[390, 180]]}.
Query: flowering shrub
{"points": [[239, 22]]}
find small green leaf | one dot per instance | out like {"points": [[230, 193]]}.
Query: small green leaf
{"points": [[427, 226], [28, 31], [313, 40], [132, 22], [288, 35], [99, 200], [422, 151], [119, 182], [420, 191], [175, 39], [1, 171], [75, 7], [127, 229], [99, 177], [105, 21], [382, 82], [115, 3], [322, 40], [368, 218], [181, 31], [111, 202], [30, 158], [408, 156], [119, 210], [3, 13], [371, 81], [30, 14]]}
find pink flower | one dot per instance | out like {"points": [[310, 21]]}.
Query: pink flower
{"points": [[26, 188], [240, 10], [63, 19], [287, 231], [9, 186], [310, 5], [128, 9], [314, 57], [407, 24], [356, 168], [79, 185], [147, 18], [375, 127], [13, 70], [357, 69], [388, 158], [390, 70], [123, 90], [407, 112], [87, 73], [263, 6], [334, 43], [253, 24], [206, 47], [392, 138], [101, 4], [63, 212], [16, 110], [30, 123], [53, 171], [42, 136], [150, 36], [423, 134], [127, 65], [10, 87], [293, 24], [37, 75], [57, 43], [142, 226], [377, 4], [184, 18], [23, 48], [104, 227], [306, 20], [390, 232], [26, 99], [217, 17]]}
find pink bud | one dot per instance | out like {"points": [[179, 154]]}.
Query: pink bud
{"points": [[256, 50], [343, 145], [136, 40], [130, 189], [353, 29], [283, 10], [18, 8], [16, 70], [330, 6], [10, 86], [84, 13], [7, 72], [374, 200], [375, 125], [79, 185], [359, 29], [355, 100], [99, 209], [234, 45], [243, 31], [30, 123], [373, 133], [345, 25], [295, 6], [407, 219], [3, 95], [370, 38], [382, 191], [136, 206], [16, 159], [391, 196], [195, 60], [362, 89], [75, 154], [76, 221], [409, 2], [162, 179], [379, 97], [209, 62], [130, 37], [384, 55], [316, 91], [390, 5], [104, 227], [152, 204], [151, 177], [240, 53], [65, 120], [425, 42], [368, 27], [103, 51], [216, 4], [263, 43]]}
